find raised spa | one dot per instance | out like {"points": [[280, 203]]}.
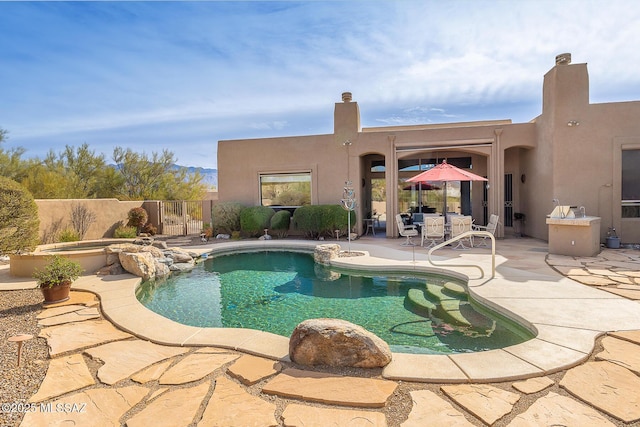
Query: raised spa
{"points": [[90, 254], [275, 290]]}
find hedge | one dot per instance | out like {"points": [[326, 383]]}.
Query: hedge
{"points": [[322, 220], [226, 217], [280, 223], [255, 219]]}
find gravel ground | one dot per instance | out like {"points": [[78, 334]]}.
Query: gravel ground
{"points": [[18, 310]]}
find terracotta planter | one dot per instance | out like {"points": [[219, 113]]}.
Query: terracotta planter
{"points": [[56, 293]]}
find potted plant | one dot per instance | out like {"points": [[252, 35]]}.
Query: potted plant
{"points": [[56, 277]]}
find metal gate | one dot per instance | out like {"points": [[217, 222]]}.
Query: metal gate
{"points": [[181, 217]]}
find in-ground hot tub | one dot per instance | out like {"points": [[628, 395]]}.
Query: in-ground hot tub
{"points": [[90, 254]]}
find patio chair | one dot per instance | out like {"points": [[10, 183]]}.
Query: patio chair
{"points": [[461, 224], [432, 230], [407, 231], [490, 227]]}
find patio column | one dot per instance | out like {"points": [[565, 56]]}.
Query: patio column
{"points": [[391, 183], [496, 181]]}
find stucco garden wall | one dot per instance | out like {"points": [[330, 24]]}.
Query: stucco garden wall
{"points": [[109, 213]]}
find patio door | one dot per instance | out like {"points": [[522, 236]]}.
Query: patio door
{"points": [[508, 200]]}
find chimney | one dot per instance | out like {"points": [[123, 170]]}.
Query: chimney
{"points": [[563, 59], [346, 96]]}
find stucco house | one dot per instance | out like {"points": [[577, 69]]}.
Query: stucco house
{"points": [[579, 153]]}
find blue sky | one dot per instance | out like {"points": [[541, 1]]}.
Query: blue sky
{"points": [[183, 75]]}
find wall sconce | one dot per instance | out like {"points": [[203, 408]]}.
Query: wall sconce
{"points": [[572, 123]]}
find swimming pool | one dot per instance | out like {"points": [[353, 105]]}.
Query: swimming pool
{"points": [[276, 290]]}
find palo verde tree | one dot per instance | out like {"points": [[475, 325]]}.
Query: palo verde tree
{"points": [[155, 177], [11, 163], [19, 220]]}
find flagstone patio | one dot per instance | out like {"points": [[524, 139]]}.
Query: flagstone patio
{"points": [[100, 373]]}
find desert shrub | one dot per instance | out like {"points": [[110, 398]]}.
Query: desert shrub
{"points": [[226, 217], [254, 219], [19, 220], [81, 219], [150, 229], [235, 235], [321, 220], [125, 232], [68, 235], [137, 217], [280, 222]]}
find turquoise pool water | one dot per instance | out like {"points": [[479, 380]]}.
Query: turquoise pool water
{"points": [[274, 291]]}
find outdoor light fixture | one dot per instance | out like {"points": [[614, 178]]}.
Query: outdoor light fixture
{"points": [[572, 123]]}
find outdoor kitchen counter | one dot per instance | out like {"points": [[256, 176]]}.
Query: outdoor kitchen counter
{"points": [[574, 236]]}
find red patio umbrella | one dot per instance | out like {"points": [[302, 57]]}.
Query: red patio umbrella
{"points": [[444, 172]]}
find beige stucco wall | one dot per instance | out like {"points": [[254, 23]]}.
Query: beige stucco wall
{"points": [[109, 213]]}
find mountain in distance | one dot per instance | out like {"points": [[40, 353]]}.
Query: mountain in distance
{"points": [[209, 175]]}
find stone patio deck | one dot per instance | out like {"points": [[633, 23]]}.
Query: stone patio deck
{"points": [[145, 369]]}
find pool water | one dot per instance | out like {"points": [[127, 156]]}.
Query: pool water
{"points": [[274, 291]]}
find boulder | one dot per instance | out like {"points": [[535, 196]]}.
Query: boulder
{"points": [[141, 264], [162, 270], [323, 254], [178, 255], [111, 270], [182, 266], [336, 342], [160, 244]]}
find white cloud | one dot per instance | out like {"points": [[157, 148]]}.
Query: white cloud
{"points": [[205, 71]]}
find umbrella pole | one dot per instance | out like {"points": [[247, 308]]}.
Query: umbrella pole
{"points": [[444, 211]]}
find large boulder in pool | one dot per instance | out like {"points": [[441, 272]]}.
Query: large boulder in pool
{"points": [[336, 342]]}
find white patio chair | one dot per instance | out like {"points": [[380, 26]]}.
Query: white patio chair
{"points": [[459, 225], [432, 230], [490, 227], [407, 231]]}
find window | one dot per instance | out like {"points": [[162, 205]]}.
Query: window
{"points": [[285, 189], [630, 184]]}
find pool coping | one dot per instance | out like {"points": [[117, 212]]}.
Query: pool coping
{"points": [[565, 316]]}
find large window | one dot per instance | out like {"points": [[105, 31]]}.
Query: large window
{"points": [[630, 184], [285, 189]]}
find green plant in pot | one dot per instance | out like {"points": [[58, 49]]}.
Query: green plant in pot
{"points": [[56, 277]]}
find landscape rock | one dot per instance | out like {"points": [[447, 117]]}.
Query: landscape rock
{"points": [[178, 255], [139, 264], [323, 254], [160, 244], [182, 266], [336, 342], [162, 270], [112, 269]]}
